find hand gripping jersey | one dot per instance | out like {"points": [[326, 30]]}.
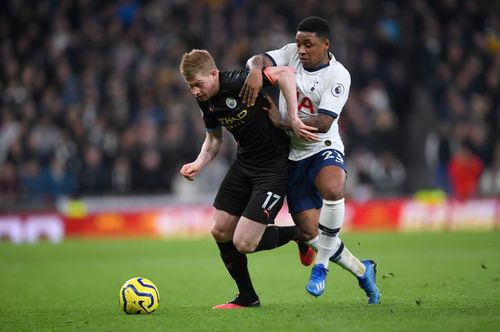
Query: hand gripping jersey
{"points": [[322, 90], [259, 141]]}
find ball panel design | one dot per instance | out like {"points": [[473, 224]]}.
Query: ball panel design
{"points": [[139, 296]]}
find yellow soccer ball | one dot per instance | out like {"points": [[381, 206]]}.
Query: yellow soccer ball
{"points": [[139, 296]]}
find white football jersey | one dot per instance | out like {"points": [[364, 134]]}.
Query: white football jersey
{"points": [[323, 90]]}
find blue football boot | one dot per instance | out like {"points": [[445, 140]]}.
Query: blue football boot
{"points": [[368, 282], [316, 284]]}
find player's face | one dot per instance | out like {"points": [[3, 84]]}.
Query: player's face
{"points": [[204, 87], [312, 50]]}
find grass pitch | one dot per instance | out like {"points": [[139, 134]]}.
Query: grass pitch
{"points": [[429, 282]]}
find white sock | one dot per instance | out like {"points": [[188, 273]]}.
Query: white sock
{"points": [[349, 262], [331, 219], [313, 243]]}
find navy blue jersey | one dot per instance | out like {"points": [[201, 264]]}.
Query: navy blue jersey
{"points": [[259, 141]]}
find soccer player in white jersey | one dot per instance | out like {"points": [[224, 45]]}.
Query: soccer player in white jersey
{"points": [[317, 169]]}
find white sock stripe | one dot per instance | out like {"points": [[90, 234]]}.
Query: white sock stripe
{"points": [[328, 202], [328, 231], [336, 256]]}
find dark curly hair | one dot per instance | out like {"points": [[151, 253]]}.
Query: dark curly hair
{"points": [[315, 24]]}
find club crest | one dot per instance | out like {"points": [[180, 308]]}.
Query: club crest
{"points": [[231, 102]]}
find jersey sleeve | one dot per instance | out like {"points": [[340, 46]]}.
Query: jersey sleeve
{"points": [[282, 56], [211, 122], [336, 91], [233, 80]]}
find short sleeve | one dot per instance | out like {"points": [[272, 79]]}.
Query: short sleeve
{"points": [[211, 121], [282, 56], [335, 92]]}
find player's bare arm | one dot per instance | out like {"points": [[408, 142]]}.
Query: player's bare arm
{"points": [[274, 115], [285, 77], [253, 82], [321, 121], [209, 150]]}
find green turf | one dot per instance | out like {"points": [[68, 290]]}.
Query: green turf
{"points": [[429, 282]]}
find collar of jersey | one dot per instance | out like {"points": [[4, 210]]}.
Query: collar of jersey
{"points": [[330, 55], [317, 68]]}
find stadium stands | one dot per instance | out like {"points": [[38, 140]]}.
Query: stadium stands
{"points": [[92, 102]]}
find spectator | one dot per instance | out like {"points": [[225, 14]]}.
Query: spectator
{"points": [[489, 183], [34, 181], [121, 178], [94, 177], [464, 171], [150, 176], [61, 182], [9, 186], [388, 174]]}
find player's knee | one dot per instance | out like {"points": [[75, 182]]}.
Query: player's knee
{"points": [[220, 234], [308, 234], [307, 225], [244, 246], [334, 193]]}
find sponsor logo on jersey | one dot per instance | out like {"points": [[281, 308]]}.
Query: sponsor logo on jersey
{"points": [[231, 122], [305, 103], [231, 103], [338, 90]]}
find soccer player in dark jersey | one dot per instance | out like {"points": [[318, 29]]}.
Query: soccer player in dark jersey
{"points": [[254, 187]]}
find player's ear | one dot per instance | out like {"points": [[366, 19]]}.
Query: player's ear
{"points": [[214, 73], [327, 43]]}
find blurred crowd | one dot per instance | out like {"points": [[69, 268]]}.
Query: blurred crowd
{"points": [[92, 102]]}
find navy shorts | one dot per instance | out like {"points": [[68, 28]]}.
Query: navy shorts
{"points": [[302, 193]]}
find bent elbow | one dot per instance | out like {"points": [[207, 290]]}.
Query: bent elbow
{"points": [[288, 71]]}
